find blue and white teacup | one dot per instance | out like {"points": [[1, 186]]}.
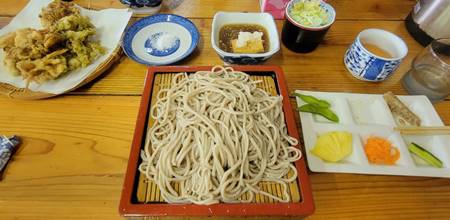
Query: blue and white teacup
{"points": [[365, 65]]}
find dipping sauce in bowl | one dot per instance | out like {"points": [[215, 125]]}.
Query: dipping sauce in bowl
{"points": [[244, 38]]}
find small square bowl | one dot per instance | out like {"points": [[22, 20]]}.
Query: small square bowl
{"points": [[264, 19]]}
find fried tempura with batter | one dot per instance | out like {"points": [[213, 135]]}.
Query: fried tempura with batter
{"points": [[27, 44], [47, 68], [77, 30], [65, 45], [57, 10]]}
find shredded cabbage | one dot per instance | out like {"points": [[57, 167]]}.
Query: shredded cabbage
{"points": [[309, 13]]}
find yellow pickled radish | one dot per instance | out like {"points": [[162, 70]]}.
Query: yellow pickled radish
{"points": [[333, 146]]}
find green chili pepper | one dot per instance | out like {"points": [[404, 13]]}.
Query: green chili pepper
{"points": [[315, 109], [313, 100]]}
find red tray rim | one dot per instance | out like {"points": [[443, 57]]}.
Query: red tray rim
{"points": [[127, 208]]}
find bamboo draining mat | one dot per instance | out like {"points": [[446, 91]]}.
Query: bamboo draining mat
{"points": [[148, 191]]}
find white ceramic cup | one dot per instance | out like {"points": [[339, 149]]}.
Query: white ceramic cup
{"points": [[367, 66]]}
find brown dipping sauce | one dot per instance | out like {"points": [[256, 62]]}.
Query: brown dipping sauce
{"points": [[231, 31]]}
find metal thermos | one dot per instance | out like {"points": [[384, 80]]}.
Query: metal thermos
{"points": [[428, 20]]}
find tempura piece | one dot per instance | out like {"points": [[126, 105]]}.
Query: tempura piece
{"points": [[57, 10], [73, 23], [10, 62], [77, 30], [85, 54], [7, 40], [52, 40], [31, 43], [64, 45], [27, 44], [48, 68]]}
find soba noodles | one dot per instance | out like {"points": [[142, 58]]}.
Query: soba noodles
{"points": [[218, 136]]}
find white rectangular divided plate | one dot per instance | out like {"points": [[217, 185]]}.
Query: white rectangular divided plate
{"points": [[366, 115]]}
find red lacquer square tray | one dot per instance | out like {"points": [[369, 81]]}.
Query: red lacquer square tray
{"points": [[142, 198]]}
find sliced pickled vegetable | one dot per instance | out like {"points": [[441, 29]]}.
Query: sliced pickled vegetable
{"points": [[425, 155], [333, 146], [381, 151]]}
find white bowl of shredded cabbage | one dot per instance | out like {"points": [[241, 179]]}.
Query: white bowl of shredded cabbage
{"points": [[310, 14]]}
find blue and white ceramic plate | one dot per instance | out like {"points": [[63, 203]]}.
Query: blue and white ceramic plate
{"points": [[144, 40]]}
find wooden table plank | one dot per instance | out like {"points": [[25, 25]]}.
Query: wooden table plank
{"points": [[73, 159], [72, 162], [4, 21], [73, 156], [346, 9], [348, 196]]}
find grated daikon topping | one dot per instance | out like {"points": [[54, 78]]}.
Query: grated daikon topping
{"points": [[164, 42], [245, 37]]}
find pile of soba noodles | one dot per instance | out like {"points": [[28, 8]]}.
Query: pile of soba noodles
{"points": [[218, 136]]}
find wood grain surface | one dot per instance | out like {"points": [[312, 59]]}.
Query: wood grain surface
{"points": [[75, 147], [346, 9]]}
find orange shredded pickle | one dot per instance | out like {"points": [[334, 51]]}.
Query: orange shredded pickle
{"points": [[381, 151]]}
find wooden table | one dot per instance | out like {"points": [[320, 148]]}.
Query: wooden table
{"points": [[75, 147]]}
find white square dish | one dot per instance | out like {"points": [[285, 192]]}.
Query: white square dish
{"points": [[365, 115], [263, 19]]}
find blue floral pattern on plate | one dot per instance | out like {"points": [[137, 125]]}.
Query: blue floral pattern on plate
{"points": [[246, 60], [366, 66]]}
